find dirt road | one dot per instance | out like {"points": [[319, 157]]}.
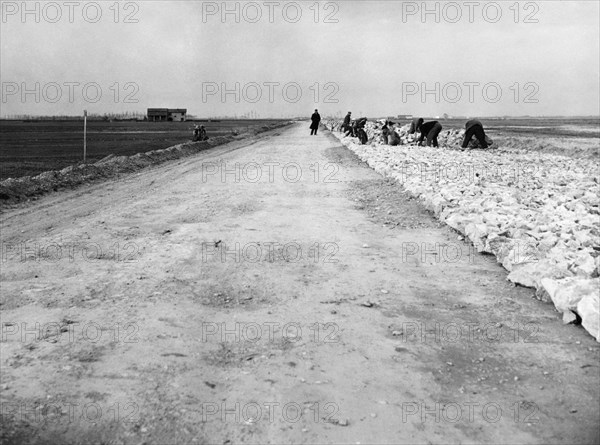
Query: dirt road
{"points": [[274, 290]]}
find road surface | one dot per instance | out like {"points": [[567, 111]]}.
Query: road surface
{"points": [[273, 290]]}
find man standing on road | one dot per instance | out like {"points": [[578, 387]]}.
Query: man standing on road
{"points": [[316, 119], [431, 129], [474, 128]]}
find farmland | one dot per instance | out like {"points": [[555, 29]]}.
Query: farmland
{"points": [[573, 137], [30, 147], [539, 127]]}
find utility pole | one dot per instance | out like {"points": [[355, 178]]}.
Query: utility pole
{"points": [[84, 134]]}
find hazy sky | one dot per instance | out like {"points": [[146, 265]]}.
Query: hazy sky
{"points": [[374, 58]]}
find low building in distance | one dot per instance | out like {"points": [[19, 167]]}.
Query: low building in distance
{"points": [[167, 114]]}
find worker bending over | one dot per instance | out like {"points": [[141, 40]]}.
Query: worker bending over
{"points": [[474, 128], [431, 130], [415, 125]]}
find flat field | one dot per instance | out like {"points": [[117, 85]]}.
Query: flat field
{"points": [[28, 148], [570, 136], [585, 127]]}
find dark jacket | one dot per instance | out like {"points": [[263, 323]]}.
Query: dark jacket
{"points": [[472, 123], [360, 123], [315, 118], [426, 127], [347, 120], [415, 124]]}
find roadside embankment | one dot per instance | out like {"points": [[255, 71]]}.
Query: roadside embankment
{"points": [[13, 190], [537, 213]]}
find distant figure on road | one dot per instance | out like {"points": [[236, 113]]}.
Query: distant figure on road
{"points": [[474, 128], [431, 129], [316, 119], [347, 120], [415, 125]]}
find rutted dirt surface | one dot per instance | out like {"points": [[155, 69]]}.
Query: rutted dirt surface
{"points": [[203, 302]]}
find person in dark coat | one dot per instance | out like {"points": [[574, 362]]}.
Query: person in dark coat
{"points": [[356, 125], [358, 130], [350, 129], [431, 129], [346, 123], [315, 118], [474, 128], [415, 125]]}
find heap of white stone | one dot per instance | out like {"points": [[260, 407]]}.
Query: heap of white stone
{"points": [[537, 213]]}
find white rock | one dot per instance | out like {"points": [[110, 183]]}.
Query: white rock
{"points": [[477, 233], [566, 293], [588, 310], [584, 264], [537, 212]]}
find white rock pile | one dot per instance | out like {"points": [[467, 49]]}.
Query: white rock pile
{"points": [[537, 213]]}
